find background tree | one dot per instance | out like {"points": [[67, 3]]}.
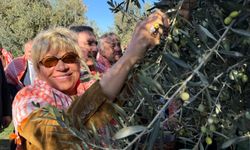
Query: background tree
{"points": [[97, 30], [21, 20]]}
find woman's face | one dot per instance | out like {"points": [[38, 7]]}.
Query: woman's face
{"points": [[112, 48], [64, 76]]}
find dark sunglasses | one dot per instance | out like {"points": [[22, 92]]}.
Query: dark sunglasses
{"points": [[52, 61]]}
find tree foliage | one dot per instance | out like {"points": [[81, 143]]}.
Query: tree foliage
{"points": [[207, 58], [21, 20]]}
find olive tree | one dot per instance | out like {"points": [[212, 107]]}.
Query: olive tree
{"points": [[21, 20], [192, 91]]}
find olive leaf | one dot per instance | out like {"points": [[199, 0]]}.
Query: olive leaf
{"points": [[153, 136], [234, 141], [203, 78], [241, 32], [209, 34], [127, 131], [231, 53], [176, 60]]}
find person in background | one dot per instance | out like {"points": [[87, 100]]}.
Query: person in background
{"points": [[6, 57], [56, 59], [5, 100], [87, 42], [117, 45], [109, 51], [20, 71]]}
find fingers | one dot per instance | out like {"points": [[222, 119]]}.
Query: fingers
{"points": [[149, 31], [163, 18], [159, 18]]}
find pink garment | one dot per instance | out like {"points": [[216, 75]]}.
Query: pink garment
{"points": [[40, 93], [15, 71], [103, 63]]}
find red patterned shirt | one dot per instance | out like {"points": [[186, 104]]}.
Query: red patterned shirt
{"points": [[103, 64]]}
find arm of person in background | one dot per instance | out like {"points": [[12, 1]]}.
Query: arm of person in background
{"points": [[142, 39]]}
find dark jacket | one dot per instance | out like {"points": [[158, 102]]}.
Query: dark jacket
{"points": [[5, 99]]}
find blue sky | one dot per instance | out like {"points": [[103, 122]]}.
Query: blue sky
{"points": [[98, 11]]}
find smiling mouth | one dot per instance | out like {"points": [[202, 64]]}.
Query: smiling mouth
{"points": [[64, 76]]}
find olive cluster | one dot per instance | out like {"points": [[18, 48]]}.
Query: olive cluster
{"points": [[238, 75], [231, 16], [210, 128]]}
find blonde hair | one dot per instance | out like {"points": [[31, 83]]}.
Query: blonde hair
{"points": [[54, 39]]}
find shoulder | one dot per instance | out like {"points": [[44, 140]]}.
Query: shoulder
{"points": [[18, 59], [19, 62], [25, 92], [25, 103], [85, 86]]}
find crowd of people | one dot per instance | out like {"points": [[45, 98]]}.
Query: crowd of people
{"points": [[50, 73]]}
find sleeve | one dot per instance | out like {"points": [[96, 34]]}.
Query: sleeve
{"points": [[45, 134], [93, 106], [6, 100], [87, 104]]}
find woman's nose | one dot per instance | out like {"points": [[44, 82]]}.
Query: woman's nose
{"points": [[61, 66]]}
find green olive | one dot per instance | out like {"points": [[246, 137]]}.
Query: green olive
{"points": [[244, 78], [209, 141], [201, 108], [234, 14], [247, 114], [240, 74], [175, 31], [182, 132], [231, 76], [227, 20], [170, 39], [184, 96], [203, 129], [210, 120], [235, 72], [212, 128]]}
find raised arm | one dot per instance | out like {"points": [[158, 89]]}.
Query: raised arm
{"points": [[143, 38]]}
